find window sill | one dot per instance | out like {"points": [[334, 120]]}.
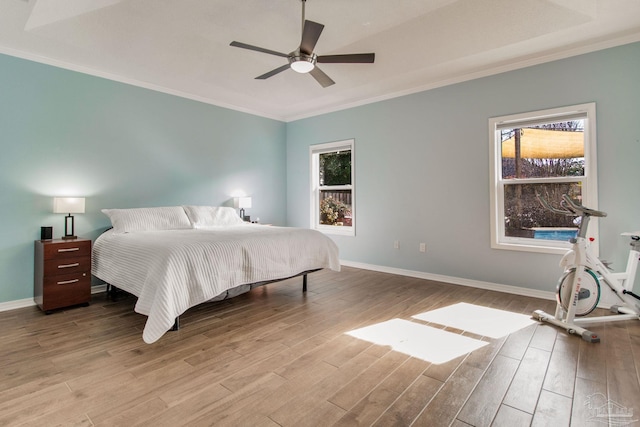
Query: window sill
{"points": [[336, 230], [558, 249]]}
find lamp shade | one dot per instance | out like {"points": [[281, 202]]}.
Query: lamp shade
{"points": [[68, 205], [244, 202]]}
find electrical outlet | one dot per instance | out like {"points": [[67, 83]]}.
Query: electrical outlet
{"points": [[396, 244], [423, 247]]}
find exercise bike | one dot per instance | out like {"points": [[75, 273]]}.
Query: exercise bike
{"points": [[578, 292]]}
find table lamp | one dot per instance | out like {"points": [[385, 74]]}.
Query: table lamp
{"points": [[243, 202], [68, 205]]}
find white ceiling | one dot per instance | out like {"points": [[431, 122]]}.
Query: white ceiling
{"points": [[182, 46]]}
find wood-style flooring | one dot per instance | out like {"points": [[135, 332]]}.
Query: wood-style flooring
{"points": [[278, 357]]}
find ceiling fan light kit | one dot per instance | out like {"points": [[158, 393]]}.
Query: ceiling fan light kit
{"points": [[302, 63], [303, 60]]}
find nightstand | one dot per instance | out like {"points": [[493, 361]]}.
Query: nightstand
{"points": [[62, 273]]}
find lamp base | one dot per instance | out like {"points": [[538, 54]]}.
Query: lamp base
{"points": [[69, 228]]}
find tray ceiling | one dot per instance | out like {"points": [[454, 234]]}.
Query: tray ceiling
{"points": [[182, 47]]}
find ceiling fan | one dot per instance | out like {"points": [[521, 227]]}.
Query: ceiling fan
{"points": [[303, 59]]}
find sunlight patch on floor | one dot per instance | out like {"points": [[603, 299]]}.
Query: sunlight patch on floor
{"points": [[485, 321], [416, 340]]}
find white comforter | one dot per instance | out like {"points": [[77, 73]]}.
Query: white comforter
{"points": [[171, 271]]}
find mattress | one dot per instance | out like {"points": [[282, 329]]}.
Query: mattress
{"points": [[172, 270]]}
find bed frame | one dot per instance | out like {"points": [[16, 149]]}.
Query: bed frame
{"points": [[112, 291]]}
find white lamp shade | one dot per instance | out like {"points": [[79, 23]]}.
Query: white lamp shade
{"points": [[244, 202], [68, 205]]}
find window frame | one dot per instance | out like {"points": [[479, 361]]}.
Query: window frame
{"points": [[314, 157], [497, 183]]}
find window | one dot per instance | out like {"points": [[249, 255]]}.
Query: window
{"points": [[332, 188], [550, 153]]}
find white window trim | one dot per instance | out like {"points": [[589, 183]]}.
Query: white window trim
{"points": [[590, 178], [314, 152]]}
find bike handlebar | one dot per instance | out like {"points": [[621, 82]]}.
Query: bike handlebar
{"points": [[582, 209], [573, 209], [547, 206]]}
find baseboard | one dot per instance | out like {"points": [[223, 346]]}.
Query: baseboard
{"points": [[454, 280], [606, 300], [28, 302], [20, 303]]}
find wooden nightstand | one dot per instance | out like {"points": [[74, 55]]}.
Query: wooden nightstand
{"points": [[62, 273]]}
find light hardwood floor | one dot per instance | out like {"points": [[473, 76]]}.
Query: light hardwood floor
{"points": [[277, 357]]}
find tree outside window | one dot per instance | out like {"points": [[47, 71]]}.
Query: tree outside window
{"points": [[537, 153], [547, 154], [332, 182], [335, 204]]}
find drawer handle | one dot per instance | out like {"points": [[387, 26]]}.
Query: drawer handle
{"points": [[67, 282], [75, 264], [68, 250]]}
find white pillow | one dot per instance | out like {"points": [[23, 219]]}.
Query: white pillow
{"points": [[212, 216], [148, 219]]}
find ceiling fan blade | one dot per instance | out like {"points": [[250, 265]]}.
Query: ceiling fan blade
{"points": [[273, 72], [352, 58], [310, 35], [321, 77], [257, 49]]}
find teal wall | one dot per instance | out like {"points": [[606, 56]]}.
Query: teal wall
{"points": [[66, 133], [422, 167], [422, 170]]}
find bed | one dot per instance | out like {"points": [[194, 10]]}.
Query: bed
{"points": [[174, 258]]}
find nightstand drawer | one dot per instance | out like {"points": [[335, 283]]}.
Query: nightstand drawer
{"points": [[71, 249], [66, 281], [66, 290], [54, 267]]}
